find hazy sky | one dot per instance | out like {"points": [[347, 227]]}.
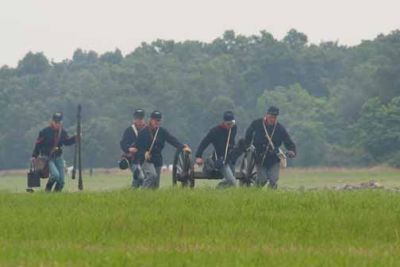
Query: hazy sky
{"points": [[58, 27]]}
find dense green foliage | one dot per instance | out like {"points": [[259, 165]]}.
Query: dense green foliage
{"points": [[242, 227], [341, 104]]}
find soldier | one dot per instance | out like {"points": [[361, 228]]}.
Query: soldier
{"points": [[267, 160], [222, 137], [49, 144], [150, 143], [127, 145]]}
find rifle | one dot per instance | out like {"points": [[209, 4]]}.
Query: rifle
{"points": [[80, 182], [77, 152], [75, 156]]}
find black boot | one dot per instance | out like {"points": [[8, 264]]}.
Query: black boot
{"points": [[49, 185], [58, 188]]}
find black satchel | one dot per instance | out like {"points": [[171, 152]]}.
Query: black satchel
{"points": [[33, 177]]}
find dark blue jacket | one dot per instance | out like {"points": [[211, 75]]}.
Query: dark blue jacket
{"points": [[217, 136], [144, 140], [128, 139], [46, 139], [256, 134]]}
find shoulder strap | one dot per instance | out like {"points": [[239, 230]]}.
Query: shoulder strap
{"points": [[154, 139], [58, 137], [134, 129], [227, 143], [269, 138], [56, 141]]}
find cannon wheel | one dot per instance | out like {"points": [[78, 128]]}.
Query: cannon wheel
{"points": [[247, 168], [183, 169]]}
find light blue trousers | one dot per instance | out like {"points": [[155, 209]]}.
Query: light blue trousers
{"points": [[56, 170]]}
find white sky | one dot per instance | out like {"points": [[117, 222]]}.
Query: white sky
{"points": [[59, 27]]}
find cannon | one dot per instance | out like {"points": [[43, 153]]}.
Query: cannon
{"points": [[183, 170]]}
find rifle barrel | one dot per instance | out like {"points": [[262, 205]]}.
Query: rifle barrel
{"points": [[76, 147], [80, 181]]}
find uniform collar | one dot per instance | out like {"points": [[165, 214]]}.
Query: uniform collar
{"points": [[223, 126]]}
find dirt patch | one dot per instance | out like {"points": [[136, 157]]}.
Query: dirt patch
{"points": [[366, 185]]}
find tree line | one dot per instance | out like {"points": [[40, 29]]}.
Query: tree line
{"points": [[341, 104]]}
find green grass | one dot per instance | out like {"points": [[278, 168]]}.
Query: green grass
{"points": [[203, 227], [111, 225]]}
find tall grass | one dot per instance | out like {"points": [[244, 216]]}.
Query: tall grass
{"points": [[202, 227]]}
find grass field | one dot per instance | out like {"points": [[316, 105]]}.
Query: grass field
{"points": [[107, 226]]}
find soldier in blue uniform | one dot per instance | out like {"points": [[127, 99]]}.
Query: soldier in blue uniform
{"points": [[127, 145], [222, 137], [267, 160], [150, 143], [49, 144]]}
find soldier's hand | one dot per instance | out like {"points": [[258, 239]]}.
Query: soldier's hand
{"points": [[147, 155], [199, 161], [186, 148], [291, 154], [133, 150], [33, 159]]}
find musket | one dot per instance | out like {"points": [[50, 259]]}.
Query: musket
{"points": [[75, 149], [80, 181]]}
